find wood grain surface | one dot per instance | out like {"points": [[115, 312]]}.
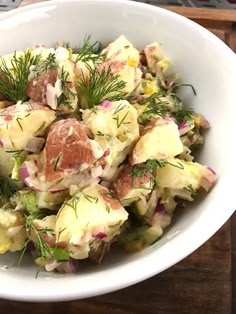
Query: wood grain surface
{"points": [[200, 284]]}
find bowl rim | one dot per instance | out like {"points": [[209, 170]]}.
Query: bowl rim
{"points": [[125, 281]]}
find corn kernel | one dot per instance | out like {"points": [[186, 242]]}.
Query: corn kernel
{"points": [[150, 88], [132, 62], [122, 137], [197, 121]]}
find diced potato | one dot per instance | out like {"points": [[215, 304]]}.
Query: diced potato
{"points": [[115, 128], [21, 122], [91, 215], [160, 141], [180, 174], [121, 49], [155, 58], [12, 232]]}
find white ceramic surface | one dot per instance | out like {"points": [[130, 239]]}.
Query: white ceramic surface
{"points": [[202, 60]]}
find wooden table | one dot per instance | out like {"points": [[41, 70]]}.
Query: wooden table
{"points": [[202, 283]]}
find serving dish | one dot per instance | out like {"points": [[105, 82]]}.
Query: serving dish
{"points": [[190, 49]]}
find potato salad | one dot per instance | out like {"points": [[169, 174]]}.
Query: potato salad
{"points": [[96, 150]]}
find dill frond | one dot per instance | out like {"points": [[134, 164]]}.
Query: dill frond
{"points": [[14, 78], [101, 85]]}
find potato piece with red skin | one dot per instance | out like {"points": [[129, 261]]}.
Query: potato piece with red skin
{"points": [[129, 187], [45, 229], [37, 87], [68, 149]]}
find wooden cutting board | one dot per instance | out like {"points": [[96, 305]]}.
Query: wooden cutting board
{"points": [[200, 284]]}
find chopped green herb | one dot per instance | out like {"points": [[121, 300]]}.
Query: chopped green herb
{"points": [[34, 235], [57, 162], [15, 152], [63, 99], [155, 106], [183, 114], [73, 203], [119, 108], [14, 78], [19, 123], [91, 199], [41, 127], [122, 121], [108, 208], [7, 188], [48, 64], [102, 85], [99, 133], [88, 51], [190, 189]]}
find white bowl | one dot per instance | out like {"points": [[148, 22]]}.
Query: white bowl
{"points": [[202, 60]]}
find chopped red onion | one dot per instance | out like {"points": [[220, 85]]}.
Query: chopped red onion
{"points": [[105, 104], [30, 246], [100, 235], [190, 138], [35, 144], [57, 188], [68, 267], [24, 172], [159, 208], [182, 125], [209, 168]]}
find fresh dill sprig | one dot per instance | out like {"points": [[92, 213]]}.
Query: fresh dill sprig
{"points": [[149, 167], [63, 99], [7, 188], [48, 64], [101, 85], [183, 114], [34, 234], [155, 106], [88, 51], [141, 170], [14, 78]]}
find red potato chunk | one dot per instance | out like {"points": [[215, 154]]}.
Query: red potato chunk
{"points": [[126, 182], [37, 87], [67, 149]]}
